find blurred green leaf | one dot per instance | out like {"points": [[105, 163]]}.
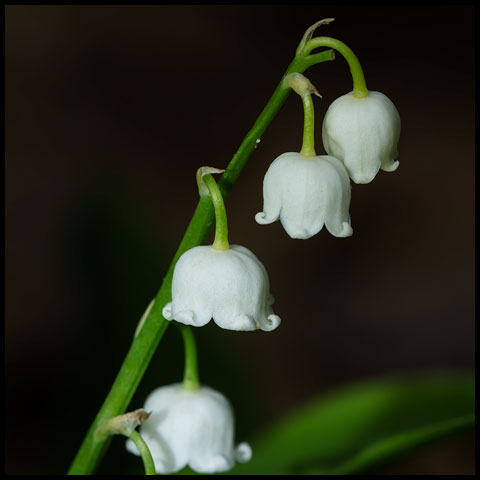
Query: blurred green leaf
{"points": [[356, 428], [381, 452]]}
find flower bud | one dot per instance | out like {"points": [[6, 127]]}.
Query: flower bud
{"points": [[363, 133]]}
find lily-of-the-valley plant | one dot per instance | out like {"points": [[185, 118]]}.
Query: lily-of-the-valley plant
{"points": [[190, 424]]}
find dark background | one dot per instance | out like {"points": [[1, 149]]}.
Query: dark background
{"points": [[109, 112]]}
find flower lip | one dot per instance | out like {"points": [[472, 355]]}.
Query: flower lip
{"points": [[243, 452], [261, 217]]}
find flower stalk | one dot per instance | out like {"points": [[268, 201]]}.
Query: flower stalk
{"points": [[125, 425], [359, 85], [144, 452], [308, 145], [302, 85], [190, 376], [308, 44], [221, 227]]}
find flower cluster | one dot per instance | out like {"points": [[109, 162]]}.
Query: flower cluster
{"points": [[306, 191], [191, 424]]}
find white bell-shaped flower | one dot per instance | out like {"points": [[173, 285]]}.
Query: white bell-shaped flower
{"points": [[363, 133], [194, 428], [231, 286], [307, 193]]}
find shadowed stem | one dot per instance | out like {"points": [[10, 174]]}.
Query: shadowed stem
{"points": [[190, 376], [149, 335]]}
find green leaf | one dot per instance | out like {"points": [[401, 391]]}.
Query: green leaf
{"points": [[356, 428]]}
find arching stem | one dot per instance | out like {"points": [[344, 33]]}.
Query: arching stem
{"points": [[221, 227], [359, 85], [302, 85], [144, 452]]}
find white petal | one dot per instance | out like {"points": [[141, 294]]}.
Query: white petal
{"points": [[185, 316], [167, 448], [194, 428], [313, 191], [363, 133], [191, 278], [241, 323], [212, 438], [230, 286], [217, 463], [271, 195]]}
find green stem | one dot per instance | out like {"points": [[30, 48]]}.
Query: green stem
{"points": [[154, 326], [359, 85], [308, 145], [221, 227], [190, 375], [144, 452]]}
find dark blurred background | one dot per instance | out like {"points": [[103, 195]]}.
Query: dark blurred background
{"points": [[109, 112]]}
